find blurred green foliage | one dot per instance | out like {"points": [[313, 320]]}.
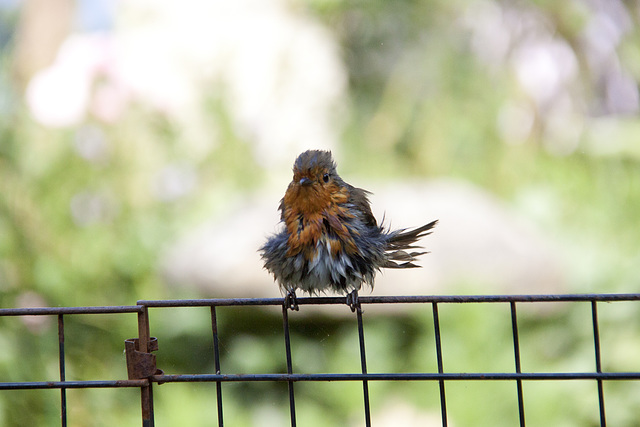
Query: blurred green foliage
{"points": [[76, 231]]}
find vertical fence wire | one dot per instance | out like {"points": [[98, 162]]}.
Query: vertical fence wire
{"points": [[63, 391], [363, 362], [516, 354], [216, 359], [436, 327], [287, 345], [596, 344]]}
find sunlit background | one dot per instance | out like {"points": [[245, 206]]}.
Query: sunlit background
{"points": [[145, 145]]}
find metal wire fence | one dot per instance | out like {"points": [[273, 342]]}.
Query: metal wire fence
{"points": [[145, 375]]}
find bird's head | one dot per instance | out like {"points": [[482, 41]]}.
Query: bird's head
{"points": [[315, 184]]}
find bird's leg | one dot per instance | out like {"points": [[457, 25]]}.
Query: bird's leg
{"points": [[290, 300], [352, 300]]}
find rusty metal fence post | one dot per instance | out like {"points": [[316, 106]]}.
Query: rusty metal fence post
{"points": [[141, 364], [146, 392]]}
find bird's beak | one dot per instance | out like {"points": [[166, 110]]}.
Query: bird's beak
{"points": [[305, 182]]}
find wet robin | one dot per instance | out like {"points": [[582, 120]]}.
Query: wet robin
{"points": [[330, 239]]}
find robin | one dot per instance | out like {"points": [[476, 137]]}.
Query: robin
{"points": [[330, 239]]}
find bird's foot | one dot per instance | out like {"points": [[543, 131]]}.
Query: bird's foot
{"points": [[291, 301], [352, 301]]}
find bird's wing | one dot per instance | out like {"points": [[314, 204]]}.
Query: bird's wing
{"points": [[360, 199], [281, 209]]}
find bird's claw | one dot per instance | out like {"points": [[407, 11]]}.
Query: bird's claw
{"points": [[352, 301], [291, 301]]}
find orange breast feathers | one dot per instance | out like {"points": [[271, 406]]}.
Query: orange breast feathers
{"points": [[312, 215]]}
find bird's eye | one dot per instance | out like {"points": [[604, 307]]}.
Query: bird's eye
{"points": [[325, 177]]}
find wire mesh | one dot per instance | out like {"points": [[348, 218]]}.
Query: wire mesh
{"points": [[144, 375]]}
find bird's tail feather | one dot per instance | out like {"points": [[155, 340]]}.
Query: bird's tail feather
{"points": [[405, 239]]}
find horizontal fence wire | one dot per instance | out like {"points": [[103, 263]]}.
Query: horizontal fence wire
{"points": [[418, 376], [43, 385], [290, 377], [221, 302]]}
